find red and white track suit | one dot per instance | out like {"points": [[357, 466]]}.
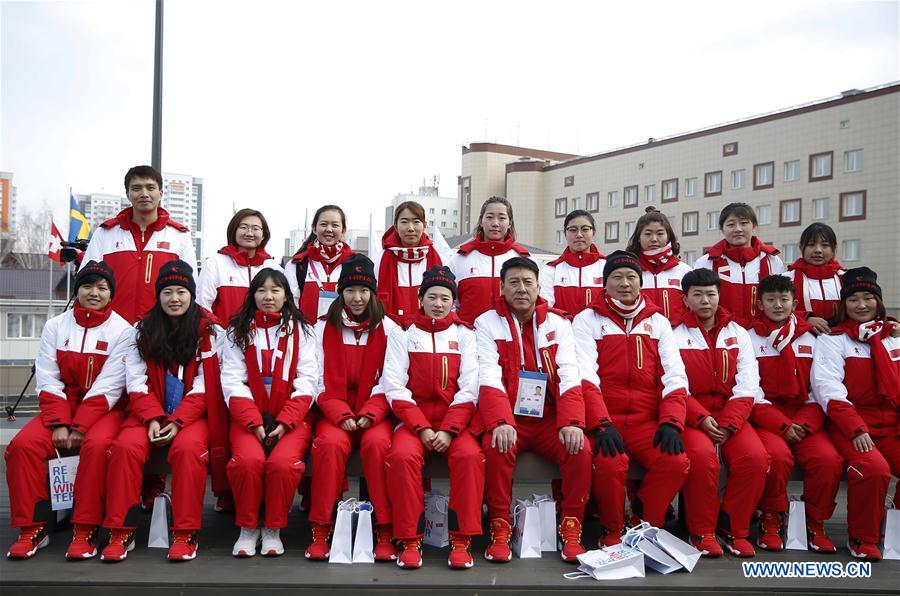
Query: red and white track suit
{"points": [[503, 351], [189, 454], [636, 365], [570, 282], [850, 387], [662, 287], [136, 257], [223, 281], [79, 378], [818, 288], [724, 381], [287, 357], [741, 269], [477, 266], [321, 276], [785, 361], [431, 381], [350, 368], [400, 274]]}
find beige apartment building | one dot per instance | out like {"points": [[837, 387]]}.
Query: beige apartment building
{"points": [[835, 161]]}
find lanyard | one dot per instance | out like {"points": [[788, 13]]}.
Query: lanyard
{"points": [[537, 352], [180, 374], [312, 266]]}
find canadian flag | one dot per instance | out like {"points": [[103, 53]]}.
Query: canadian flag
{"points": [[55, 245]]}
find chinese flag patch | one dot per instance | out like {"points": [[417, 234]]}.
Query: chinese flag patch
{"points": [[162, 245], [648, 328], [675, 282], [598, 281], [551, 336], [895, 354], [805, 349], [102, 345], [730, 341], [454, 345]]}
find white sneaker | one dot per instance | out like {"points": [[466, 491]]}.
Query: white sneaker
{"points": [[271, 543], [246, 543]]}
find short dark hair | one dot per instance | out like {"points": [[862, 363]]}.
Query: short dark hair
{"points": [[143, 172], [816, 231], [236, 220], [776, 283], [518, 263], [578, 213], [650, 216], [742, 210], [700, 277]]}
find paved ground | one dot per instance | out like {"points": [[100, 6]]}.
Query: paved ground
{"points": [[215, 571]]}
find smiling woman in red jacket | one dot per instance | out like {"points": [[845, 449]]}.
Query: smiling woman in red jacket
{"points": [[856, 379], [172, 380], [269, 381], [79, 378], [351, 342], [431, 382], [570, 282], [817, 276]]}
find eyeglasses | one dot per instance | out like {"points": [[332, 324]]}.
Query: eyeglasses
{"points": [[246, 228], [583, 229]]}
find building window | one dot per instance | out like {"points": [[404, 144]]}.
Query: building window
{"points": [[852, 250], [611, 231], [845, 124], [689, 223], [820, 208], [670, 190], [454, 225], [561, 208], [431, 210], [569, 181], [443, 212], [690, 187], [712, 184], [629, 228], [631, 196], [791, 170], [593, 202], [560, 237], [612, 198], [853, 205], [853, 161], [712, 220], [764, 175], [729, 149], [443, 224], [689, 257], [650, 193], [764, 215], [790, 252], [737, 179], [24, 326], [820, 166], [790, 213], [454, 212]]}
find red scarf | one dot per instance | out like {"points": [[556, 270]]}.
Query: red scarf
{"points": [[874, 333], [579, 259], [826, 271], [658, 259], [623, 316], [335, 373], [395, 253], [87, 318], [723, 317], [241, 257], [779, 338], [329, 256], [286, 354], [493, 248], [743, 254], [426, 323]]}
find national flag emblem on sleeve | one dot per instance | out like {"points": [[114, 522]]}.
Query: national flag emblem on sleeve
{"points": [[598, 281], [162, 245], [675, 282], [730, 341], [55, 245], [895, 354], [551, 336], [453, 345], [805, 349], [102, 345]]}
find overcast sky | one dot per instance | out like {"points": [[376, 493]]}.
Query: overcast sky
{"points": [[284, 106]]}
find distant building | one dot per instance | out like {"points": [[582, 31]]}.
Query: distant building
{"points": [[98, 207], [183, 199], [440, 211], [7, 211]]}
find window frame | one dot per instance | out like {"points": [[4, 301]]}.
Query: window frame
{"points": [[846, 157], [606, 237], [662, 198], [706, 192], [788, 224], [564, 201], [756, 169], [812, 158], [841, 216], [587, 199], [684, 228], [795, 178], [625, 204]]}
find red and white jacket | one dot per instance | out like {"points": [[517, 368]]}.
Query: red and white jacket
{"points": [[476, 266], [818, 289], [630, 377], [723, 375], [400, 274], [320, 277], [501, 349], [247, 405], [785, 403], [223, 281], [845, 382], [740, 278], [137, 256], [664, 290], [570, 282], [80, 366], [430, 374]]}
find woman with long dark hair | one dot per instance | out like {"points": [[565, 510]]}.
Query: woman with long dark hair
{"points": [[269, 380], [315, 268], [173, 385], [408, 252], [351, 342], [570, 282], [817, 277]]}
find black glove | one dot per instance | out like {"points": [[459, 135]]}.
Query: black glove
{"points": [[669, 439], [609, 440], [269, 424]]}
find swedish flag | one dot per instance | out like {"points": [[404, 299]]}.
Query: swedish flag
{"points": [[79, 228]]}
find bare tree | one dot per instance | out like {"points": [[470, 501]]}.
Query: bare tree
{"points": [[32, 234]]}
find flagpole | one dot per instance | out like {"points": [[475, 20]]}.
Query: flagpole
{"points": [[50, 280]]}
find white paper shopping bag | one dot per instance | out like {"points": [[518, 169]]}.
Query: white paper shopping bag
{"points": [[640, 537], [796, 525], [436, 519], [159, 522], [362, 542], [342, 538], [891, 547], [526, 537], [61, 472], [683, 552], [547, 514], [615, 562]]}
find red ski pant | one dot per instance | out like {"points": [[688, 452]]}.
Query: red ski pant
{"points": [[664, 473], [26, 471], [256, 480], [541, 437], [822, 466], [188, 457], [330, 451], [868, 479], [747, 463], [609, 476], [403, 472]]}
